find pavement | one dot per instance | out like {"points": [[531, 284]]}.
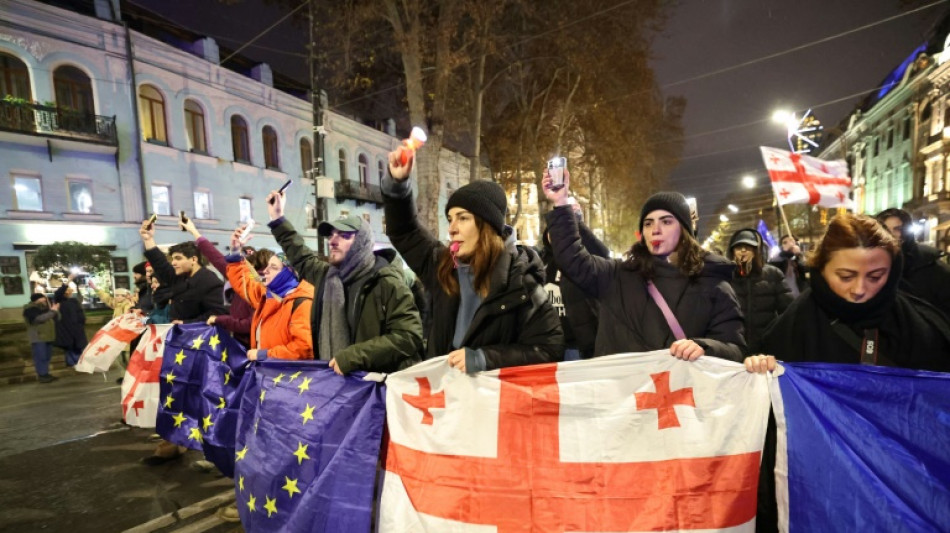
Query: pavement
{"points": [[68, 464]]}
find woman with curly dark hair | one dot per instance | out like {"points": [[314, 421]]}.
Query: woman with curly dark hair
{"points": [[668, 293]]}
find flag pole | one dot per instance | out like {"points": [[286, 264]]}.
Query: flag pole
{"points": [[788, 227]]}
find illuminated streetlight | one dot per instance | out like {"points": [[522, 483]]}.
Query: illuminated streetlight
{"points": [[782, 116], [748, 182], [733, 208], [723, 218]]}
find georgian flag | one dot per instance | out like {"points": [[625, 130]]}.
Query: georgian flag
{"points": [[140, 389], [630, 442], [802, 179], [109, 342]]}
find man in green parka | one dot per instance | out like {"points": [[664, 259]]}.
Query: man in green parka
{"points": [[363, 315]]}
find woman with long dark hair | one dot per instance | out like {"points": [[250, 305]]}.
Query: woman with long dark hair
{"points": [[667, 293], [488, 305]]}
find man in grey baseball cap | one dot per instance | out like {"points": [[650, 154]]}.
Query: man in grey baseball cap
{"points": [[363, 315]]}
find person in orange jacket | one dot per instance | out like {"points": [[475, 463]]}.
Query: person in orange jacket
{"points": [[280, 328]]}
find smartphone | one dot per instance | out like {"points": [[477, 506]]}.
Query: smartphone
{"points": [[183, 218], [556, 168], [281, 190], [151, 221], [247, 230]]}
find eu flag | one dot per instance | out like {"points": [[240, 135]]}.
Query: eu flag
{"points": [[200, 388], [868, 448], [308, 444]]}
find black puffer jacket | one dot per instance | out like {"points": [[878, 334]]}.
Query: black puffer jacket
{"points": [[762, 295], [515, 325], [925, 275], [194, 298], [630, 321], [71, 323]]}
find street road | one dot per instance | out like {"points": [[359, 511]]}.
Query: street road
{"points": [[68, 464]]}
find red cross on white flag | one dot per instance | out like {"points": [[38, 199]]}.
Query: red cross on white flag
{"points": [[109, 342], [140, 394], [802, 179], [631, 442]]}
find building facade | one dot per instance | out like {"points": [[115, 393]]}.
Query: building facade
{"points": [[895, 149], [101, 126]]}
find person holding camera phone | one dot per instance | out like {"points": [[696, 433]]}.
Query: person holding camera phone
{"points": [[668, 293], [489, 307]]}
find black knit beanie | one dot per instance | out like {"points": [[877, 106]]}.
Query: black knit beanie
{"points": [[673, 202], [36, 296], [483, 198]]}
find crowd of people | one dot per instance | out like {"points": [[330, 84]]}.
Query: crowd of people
{"points": [[869, 293]]}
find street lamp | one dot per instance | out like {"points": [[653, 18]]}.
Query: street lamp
{"points": [[733, 207], [748, 182], [723, 218]]}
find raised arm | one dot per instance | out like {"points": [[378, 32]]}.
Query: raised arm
{"points": [[304, 260]]}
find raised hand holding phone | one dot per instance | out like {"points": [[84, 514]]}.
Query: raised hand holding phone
{"points": [[246, 233], [183, 219], [280, 191], [151, 221], [558, 196], [400, 159]]}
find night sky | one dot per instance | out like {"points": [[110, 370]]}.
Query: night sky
{"points": [[728, 114]]}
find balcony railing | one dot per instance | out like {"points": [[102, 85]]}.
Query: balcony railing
{"points": [[53, 121], [351, 190]]}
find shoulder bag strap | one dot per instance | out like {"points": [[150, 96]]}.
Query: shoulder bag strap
{"points": [[667, 312]]}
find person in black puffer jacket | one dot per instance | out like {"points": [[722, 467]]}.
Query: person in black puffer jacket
{"points": [[760, 288], [489, 306], [694, 283], [925, 275]]}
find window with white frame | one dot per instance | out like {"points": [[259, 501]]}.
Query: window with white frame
{"points": [[161, 200], [195, 127], [202, 204], [29, 193], [363, 166], [244, 208], [80, 195]]}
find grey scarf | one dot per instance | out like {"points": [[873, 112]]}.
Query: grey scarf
{"points": [[334, 327]]}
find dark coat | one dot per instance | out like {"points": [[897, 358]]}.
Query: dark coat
{"points": [[237, 320], [911, 332], [515, 324], [630, 321], [579, 317], [193, 298], [71, 323], [925, 275], [797, 261], [762, 298], [388, 334]]}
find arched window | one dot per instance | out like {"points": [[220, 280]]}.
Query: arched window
{"points": [[363, 168], [73, 89], [271, 148], [239, 140], [152, 114], [342, 159], [14, 78], [306, 156], [195, 127]]}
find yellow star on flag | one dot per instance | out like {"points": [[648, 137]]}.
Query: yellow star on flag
{"points": [[195, 344], [241, 453], [241, 483], [227, 377], [206, 423], [263, 392], [307, 414], [294, 376], [279, 378], [252, 503], [290, 485], [224, 355], [221, 404], [214, 342], [301, 452], [271, 505], [179, 418], [195, 434], [168, 401], [170, 377], [305, 385], [180, 357]]}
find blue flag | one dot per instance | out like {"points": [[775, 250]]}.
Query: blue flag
{"points": [[763, 230], [308, 444], [868, 448], [200, 388]]}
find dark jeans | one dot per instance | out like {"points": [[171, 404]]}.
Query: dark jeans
{"points": [[72, 357], [42, 354]]}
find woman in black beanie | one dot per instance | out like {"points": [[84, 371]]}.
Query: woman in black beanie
{"points": [[667, 269], [489, 308]]}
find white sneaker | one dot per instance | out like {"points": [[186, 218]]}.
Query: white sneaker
{"points": [[229, 513]]}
